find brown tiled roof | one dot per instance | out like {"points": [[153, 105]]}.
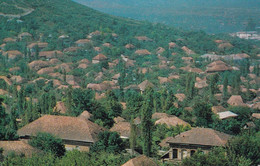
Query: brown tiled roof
{"points": [[142, 52], [12, 54], [236, 100], [84, 61], [65, 127], [83, 41], [107, 45], [70, 79], [116, 76], [100, 57], [171, 121], [83, 66], [129, 46], [180, 96], [46, 70], [19, 147], [217, 109], [8, 81], [201, 136], [17, 79], [3, 92], [71, 49], [145, 84], [122, 128], [201, 84], [8, 39], [218, 66], [38, 64], [256, 115], [187, 50], [21, 35], [143, 38], [85, 115], [60, 107], [172, 45], [225, 45], [119, 119], [40, 45], [163, 80], [50, 54], [63, 66], [160, 50], [54, 61], [164, 142], [140, 161], [256, 106]]}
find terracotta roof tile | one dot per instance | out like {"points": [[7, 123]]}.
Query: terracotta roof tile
{"points": [[65, 127], [201, 136], [140, 161]]}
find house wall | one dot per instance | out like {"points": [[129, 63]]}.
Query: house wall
{"points": [[95, 61], [179, 152]]}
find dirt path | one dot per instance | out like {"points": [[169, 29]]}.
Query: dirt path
{"points": [[26, 12]]}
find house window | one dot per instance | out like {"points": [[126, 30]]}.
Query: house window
{"points": [[184, 154], [174, 153], [192, 152]]}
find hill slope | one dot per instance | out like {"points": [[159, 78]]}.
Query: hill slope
{"points": [[208, 15]]}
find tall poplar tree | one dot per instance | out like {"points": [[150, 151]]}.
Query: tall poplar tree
{"points": [[146, 121]]}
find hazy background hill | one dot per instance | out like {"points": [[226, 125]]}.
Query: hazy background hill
{"points": [[213, 16]]}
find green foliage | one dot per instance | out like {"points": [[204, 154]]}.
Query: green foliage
{"points": [[216, 157], [7, 130], [48, 143], [246, 146], [146, 121], [203, 113], [109, 142], [114, 108]]}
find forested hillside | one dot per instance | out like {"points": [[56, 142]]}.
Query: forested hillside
{"points": [[138, 82], [209, 15]]}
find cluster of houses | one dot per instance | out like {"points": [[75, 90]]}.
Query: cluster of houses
{"points": [[251, 35], [79, 132]]}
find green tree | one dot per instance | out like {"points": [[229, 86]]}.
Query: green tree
{"points": [[146, 121], [246, 146], [113, 107], [203, 113], [48, 143], [109, 142]]}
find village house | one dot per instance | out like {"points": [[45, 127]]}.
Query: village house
{"points": [[236, 100], [18, 147], [187, 50], [76, 133], [50, 54], [12, 54], [187, 143], [99, 58], [143, 38], [145, 84], [25, 36], [82, 42], [217, 66], [123, 128], [171, 121], [129, 46], [140, 161], [142, 52], [41, 45]]}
